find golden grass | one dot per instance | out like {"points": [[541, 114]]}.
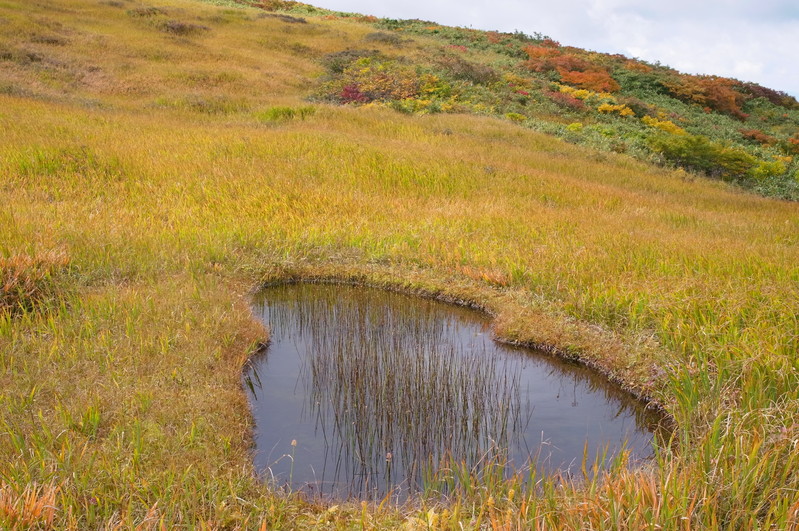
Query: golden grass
{"points": [[142, 155]]}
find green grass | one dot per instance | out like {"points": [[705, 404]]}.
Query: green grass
{"points": [[120, 392]]}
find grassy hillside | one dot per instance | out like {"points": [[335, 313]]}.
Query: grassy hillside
{"points": [[736, 131], [160, 161]]}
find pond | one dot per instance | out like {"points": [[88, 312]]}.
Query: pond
{"points": [[364, 393]]}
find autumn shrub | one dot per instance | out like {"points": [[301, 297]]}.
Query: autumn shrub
{"points": [[638, 106], [565, 100], [28, 281], [369, 79], [591, 79], [352, 94], [515, 117], [337, 62], [791, 145], [620, 109], [580, 94], [757, 136], [459, 68], [765, 169], [547, 57], [570, 67], [712, 92], [664, 125], [776, 97]]}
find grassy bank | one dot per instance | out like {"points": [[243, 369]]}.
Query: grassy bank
{"points": [[148, 184]]}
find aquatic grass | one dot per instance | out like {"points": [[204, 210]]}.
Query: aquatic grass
{"points": [[389, 386]]}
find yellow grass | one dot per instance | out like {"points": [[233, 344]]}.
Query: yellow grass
{"points": [[140, 155]]}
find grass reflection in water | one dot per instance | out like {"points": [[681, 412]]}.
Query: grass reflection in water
{"points": [[379, 391]]}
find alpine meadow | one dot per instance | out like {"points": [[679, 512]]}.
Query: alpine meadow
{"points": [[163, 160]]}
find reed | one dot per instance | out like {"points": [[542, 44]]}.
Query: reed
{"points": [[393, 387]]}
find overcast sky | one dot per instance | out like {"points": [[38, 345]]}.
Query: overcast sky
{"points": [[750, 40]]}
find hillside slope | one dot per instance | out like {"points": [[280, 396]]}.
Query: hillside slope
{"points": [[160, 161], [724, 128]]}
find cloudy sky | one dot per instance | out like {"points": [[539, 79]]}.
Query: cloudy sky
{"points": [[750, 40]]}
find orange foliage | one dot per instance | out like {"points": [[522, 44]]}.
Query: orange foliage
{"points": [[541, 58], [637, 66], [596, 80], [716, 93], [572, 69], [546, 59], [758, 136]]}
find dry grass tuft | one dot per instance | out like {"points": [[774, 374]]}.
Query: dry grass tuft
{"points": [[27, 281], [34, 507], [183, 29]]}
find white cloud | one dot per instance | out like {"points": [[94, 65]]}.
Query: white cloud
{"points": [[751, 41]]}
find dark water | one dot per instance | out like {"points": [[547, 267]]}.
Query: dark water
{"points": [[363, 392]]}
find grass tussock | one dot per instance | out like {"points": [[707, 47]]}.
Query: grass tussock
{"points": [[129, 397], [28, 281], [285, 114]]}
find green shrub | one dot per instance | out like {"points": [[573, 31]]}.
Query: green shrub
{"points": [[701, 154], [767, 169]]}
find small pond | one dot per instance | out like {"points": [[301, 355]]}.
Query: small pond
{"points": [[364, 393]]}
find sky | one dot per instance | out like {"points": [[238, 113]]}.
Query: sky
{"points": [[750, 40]]}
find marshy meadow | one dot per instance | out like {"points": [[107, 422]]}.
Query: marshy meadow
{"points": [[162, 162]]}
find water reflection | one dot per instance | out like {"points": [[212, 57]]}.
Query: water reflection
{"points": [[362, 392]]}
